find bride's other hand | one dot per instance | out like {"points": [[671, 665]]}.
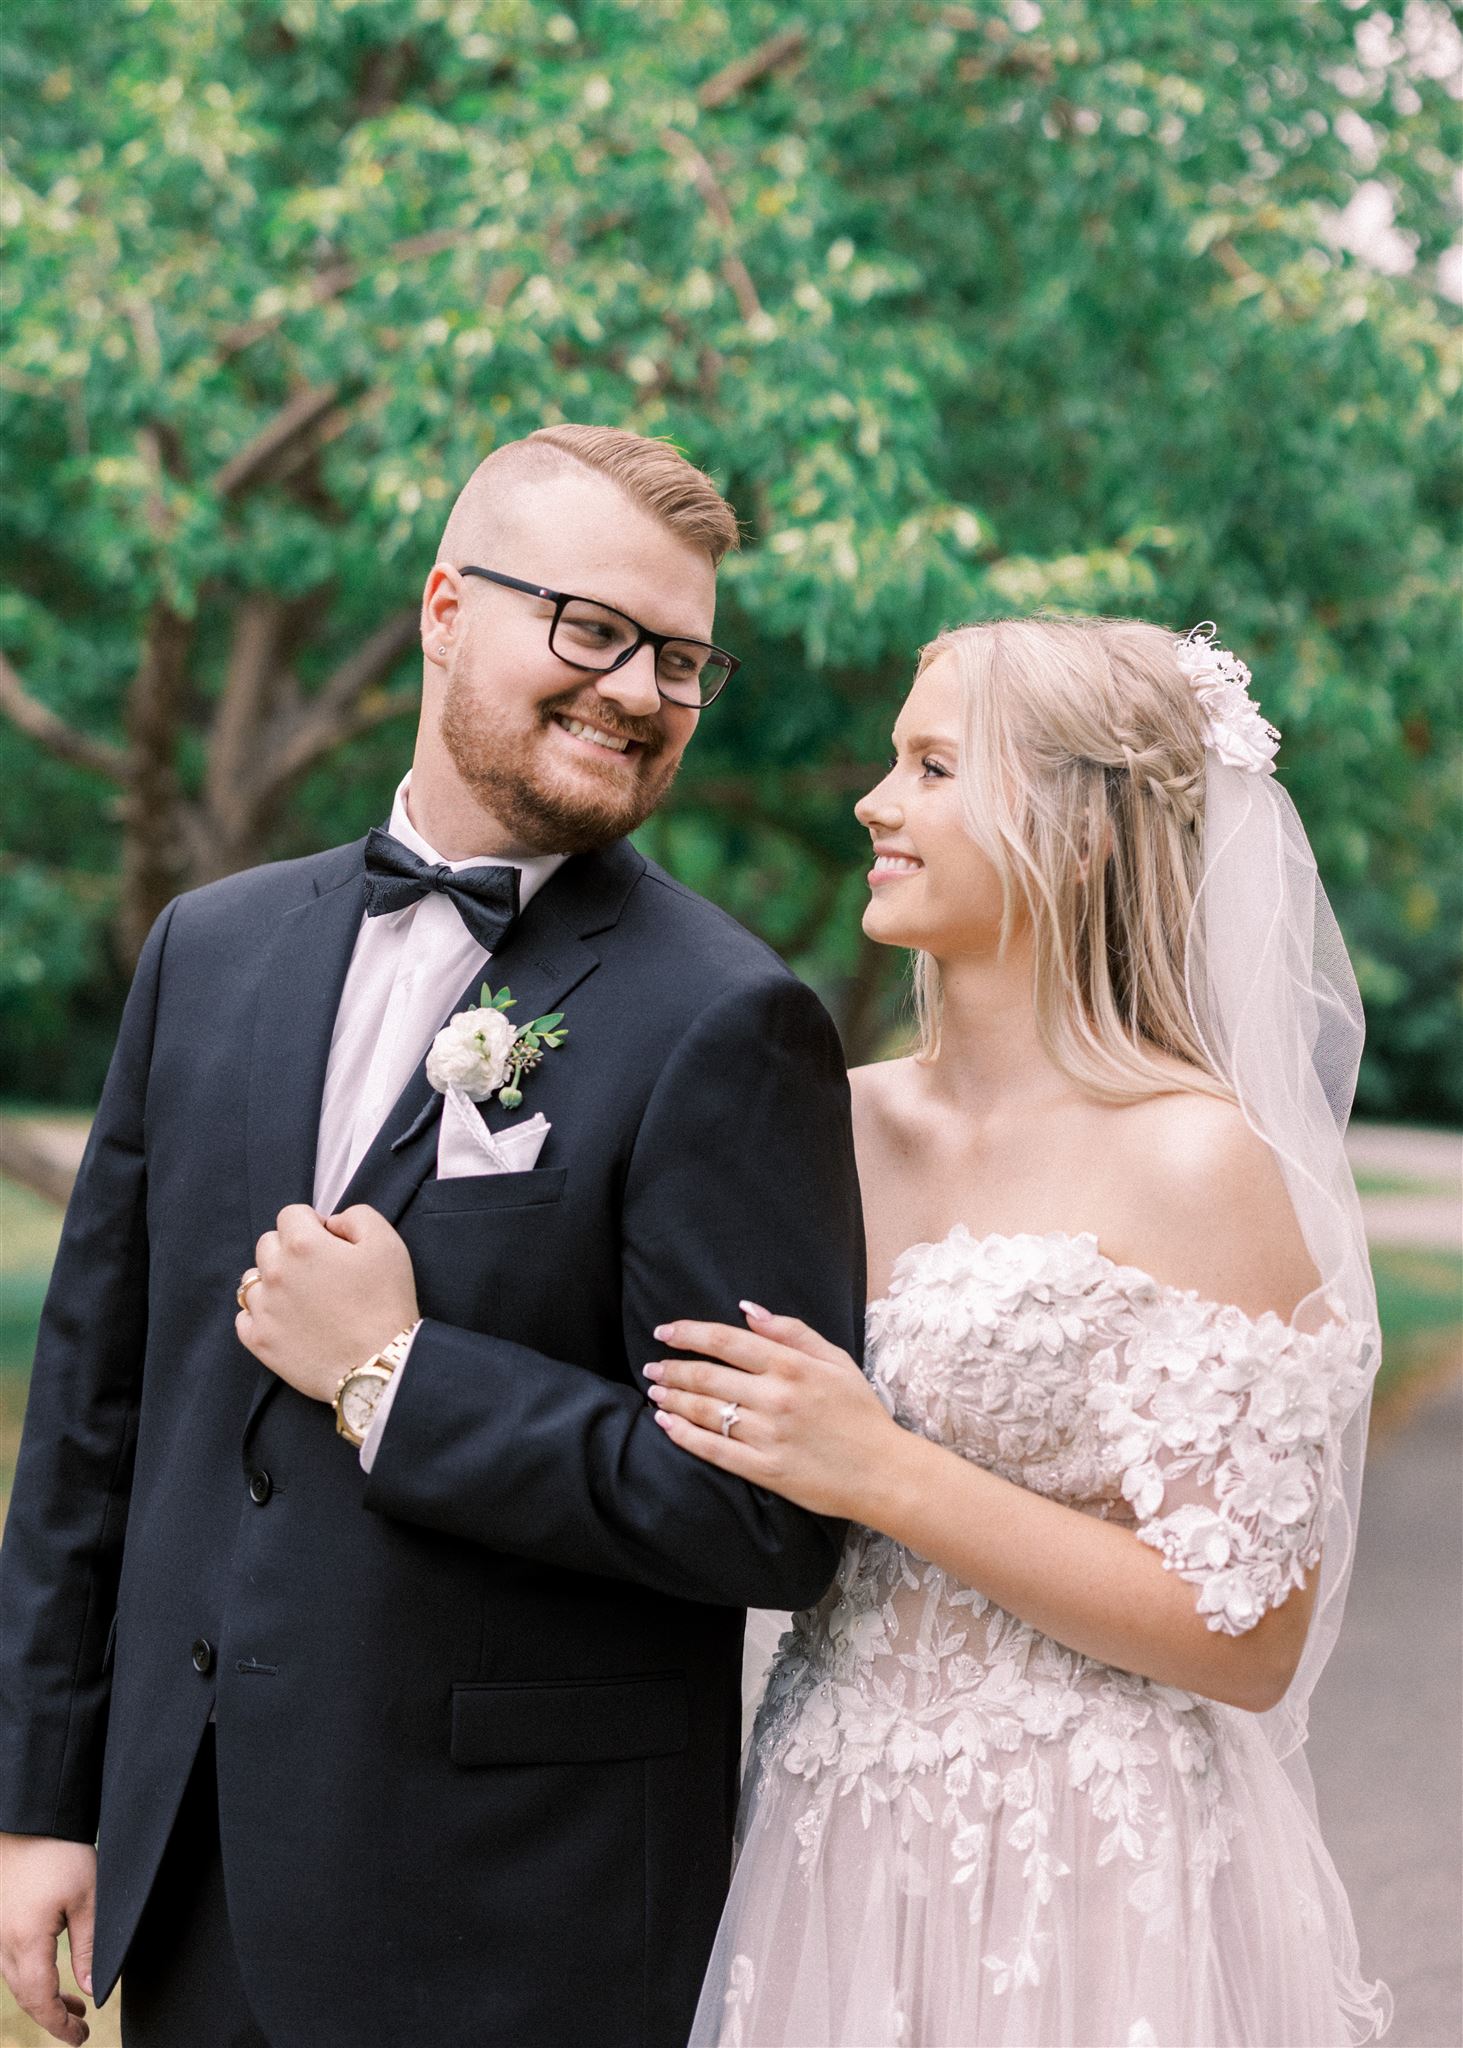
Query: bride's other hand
{"points": [[809, 1426]]}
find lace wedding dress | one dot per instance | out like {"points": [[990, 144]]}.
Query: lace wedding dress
{"points": [[955, 1832]]}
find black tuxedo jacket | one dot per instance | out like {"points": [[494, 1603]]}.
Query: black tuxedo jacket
{"points": [[477, 1713]]}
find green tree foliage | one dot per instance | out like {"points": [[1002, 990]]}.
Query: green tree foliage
{"points": [[971, 310]]}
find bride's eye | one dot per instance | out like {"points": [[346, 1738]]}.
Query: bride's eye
{"points": [[934, 767]]}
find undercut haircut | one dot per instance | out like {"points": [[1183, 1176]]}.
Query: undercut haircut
{"points": [[652, 474]]}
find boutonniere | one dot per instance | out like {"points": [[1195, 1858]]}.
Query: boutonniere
{"points": [[480, 1052]]}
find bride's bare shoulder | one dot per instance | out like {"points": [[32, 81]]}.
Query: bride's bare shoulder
{"points": [[1207, 1202], [883, 1091], [887, 1129]]}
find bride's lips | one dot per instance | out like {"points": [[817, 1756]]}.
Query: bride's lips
{"points": [[892, 867]]}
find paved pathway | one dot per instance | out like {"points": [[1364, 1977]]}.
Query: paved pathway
{"points": [[1387, 1725], [1431, 1217]]}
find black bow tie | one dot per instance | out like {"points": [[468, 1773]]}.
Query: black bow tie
{"points": [[486, 897]]}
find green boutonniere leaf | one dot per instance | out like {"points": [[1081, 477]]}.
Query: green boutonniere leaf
{"points": [[528, 1048]]}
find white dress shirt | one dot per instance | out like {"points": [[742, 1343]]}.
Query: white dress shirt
{"points": [[408, 968]]}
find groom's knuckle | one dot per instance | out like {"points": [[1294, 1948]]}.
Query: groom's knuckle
{"points": [[29, 1983]]}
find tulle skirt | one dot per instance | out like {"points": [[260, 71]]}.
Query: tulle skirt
{"points": [[871, 1920]]}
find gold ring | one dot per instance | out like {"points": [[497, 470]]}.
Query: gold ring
{"points": [[242, 1290]]}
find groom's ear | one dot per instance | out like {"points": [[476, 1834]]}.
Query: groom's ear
{"points": [[441, 620]]}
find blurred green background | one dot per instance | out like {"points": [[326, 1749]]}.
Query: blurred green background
{"points": [[969, 309]]}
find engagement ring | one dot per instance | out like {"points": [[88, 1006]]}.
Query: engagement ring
{"points": [[730, 1410]]}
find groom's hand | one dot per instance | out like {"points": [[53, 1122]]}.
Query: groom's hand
{"points": [[46, 1887], [333, 1291]]}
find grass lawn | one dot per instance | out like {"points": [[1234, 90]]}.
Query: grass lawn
{"points": [[1420, 1298]]}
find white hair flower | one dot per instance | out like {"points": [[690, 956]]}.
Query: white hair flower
{"points": [[1234, 725]]}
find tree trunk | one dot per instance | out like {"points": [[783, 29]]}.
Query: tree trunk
{"points": [[154, 832], [858, 1020]]}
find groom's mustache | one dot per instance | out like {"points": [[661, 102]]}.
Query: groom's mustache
{"points": [[648, 732]]}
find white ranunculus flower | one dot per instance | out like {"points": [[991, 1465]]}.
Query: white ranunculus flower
{"points": [[470, 1052]]}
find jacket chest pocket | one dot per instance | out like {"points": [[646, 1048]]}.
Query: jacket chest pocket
{"points": [[485, 1194], [466, 1234]]}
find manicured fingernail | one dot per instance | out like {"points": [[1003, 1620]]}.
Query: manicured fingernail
{"points": [[660, 1394], [653, 1372], [662, 1332], [86, 1983], [662, 1418], [752, 1308]]}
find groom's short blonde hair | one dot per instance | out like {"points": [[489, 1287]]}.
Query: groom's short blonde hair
{"points": [[653, 474]]}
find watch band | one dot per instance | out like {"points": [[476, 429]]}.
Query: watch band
{"points": [[378, 1368]]}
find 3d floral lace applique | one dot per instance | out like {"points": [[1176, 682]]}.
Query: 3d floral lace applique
{"points": [[1223, 1440], [908, 1696]]}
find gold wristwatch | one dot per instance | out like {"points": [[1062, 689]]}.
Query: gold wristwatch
{"points": [[362, 1387]]}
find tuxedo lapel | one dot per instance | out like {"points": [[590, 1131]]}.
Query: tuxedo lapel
{"points": [[301, 981], [540, 961], [544, 956]]}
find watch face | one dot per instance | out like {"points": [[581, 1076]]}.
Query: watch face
{"points": [[358, 1401]]}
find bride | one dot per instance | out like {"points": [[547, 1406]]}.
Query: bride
{"points": [[1032, 1772]]}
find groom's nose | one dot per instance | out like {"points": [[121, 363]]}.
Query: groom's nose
{"points": [[633, 687]]}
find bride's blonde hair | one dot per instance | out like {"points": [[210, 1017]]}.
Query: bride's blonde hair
{"points": [[1082, 780]]}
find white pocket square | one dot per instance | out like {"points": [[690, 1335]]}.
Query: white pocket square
{"points": [[465, 1145]]}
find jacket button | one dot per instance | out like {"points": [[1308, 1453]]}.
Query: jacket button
{"points": [[203, 1655], [261, 1486]]}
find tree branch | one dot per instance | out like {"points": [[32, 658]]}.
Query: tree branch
{"points": [[338, 278], [337, 712], [251, 685], [372, 660], [275, 443], [775, 54], [733, 269], [41, 724]]}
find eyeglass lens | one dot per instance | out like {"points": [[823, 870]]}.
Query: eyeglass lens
{"points": [[592, 636]]}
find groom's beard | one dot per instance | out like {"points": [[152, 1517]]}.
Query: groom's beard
{"points": [[547, 804]]}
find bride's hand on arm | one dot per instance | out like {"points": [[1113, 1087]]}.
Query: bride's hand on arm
{"points": [[810, 1426]]}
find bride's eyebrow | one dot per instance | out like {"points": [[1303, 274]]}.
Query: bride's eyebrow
{"points": [[918, 742]]}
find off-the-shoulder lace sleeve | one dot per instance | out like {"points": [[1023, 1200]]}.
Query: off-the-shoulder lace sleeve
{"points": [[1224, 1428]]}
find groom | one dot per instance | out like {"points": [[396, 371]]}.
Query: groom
{"points": [[408, 1711]]}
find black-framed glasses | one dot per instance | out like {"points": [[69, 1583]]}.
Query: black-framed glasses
{"points": [[589, 635]]}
